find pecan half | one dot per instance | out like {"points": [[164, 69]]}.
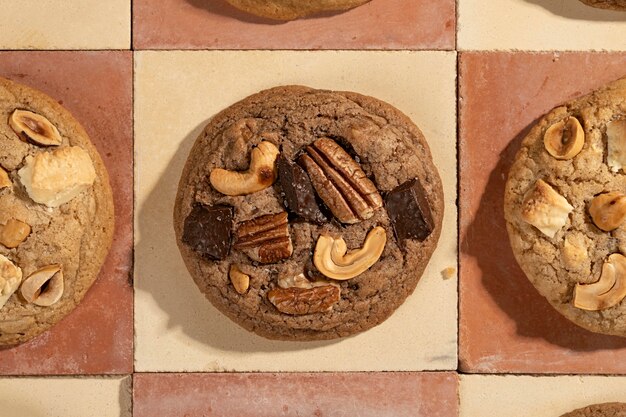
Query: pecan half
{"points": [[266, 238], [300, 301], [340, 182]]}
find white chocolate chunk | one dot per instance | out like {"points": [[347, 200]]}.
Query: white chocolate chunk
{"points": [[545, 208], [616, 141], [10, 279], [54, 178]]}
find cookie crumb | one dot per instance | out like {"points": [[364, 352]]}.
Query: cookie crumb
{"points": [[448, 273]]}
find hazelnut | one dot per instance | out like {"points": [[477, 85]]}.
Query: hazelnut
{"points": [[564, 139], [44, 287], [10, 279], [13, 233], [608, 210], [34, 128]]}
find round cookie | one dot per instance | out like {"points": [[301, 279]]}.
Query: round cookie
{"points": [[272, 259], [606, 4], [56, 213], [293, 9], [600, 410], [565, 212]]}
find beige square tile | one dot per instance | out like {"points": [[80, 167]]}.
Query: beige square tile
{"points": [[538, 25], [65, 397], [67, 24], [175, 95], [531, 396]]}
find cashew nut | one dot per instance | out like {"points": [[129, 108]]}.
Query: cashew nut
{"points": [[564, 139], [608, 291], [34, 128], [261, 174], [44, 287], [332, 258]]}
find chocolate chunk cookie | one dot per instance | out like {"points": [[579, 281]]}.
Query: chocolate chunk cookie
{"points": [[607, 4], [565, 209], [293, 9], [56, 213], [600, 410], [306, 214]]}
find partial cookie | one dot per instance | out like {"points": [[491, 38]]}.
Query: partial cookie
{"points": [[306, 214], [607, 4], [565, 209], [293, 9], [56, 213], [600, 410]]}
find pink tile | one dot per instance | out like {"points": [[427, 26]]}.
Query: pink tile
{"points": [[214, 24], [97, 337], [325, 394], [505, 325]]}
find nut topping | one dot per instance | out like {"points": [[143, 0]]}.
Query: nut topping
{"points": [[564, 139], [608, 210], [266, 238], [240, 281], [616, 144], [340, 182], [44, 287], [300, 281], [5, 181], [608, 291], [261, 174], [332, 258], [300, 301], [13, 233], [545, 209], [10, 279], [34, 128]]}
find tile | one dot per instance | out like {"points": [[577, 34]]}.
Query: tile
{"points": [[97, 337], [66, 397], [71, 24], [532, 396], [265, 395], [214, 24], [505, 325], [541, 25], [176, 94]]}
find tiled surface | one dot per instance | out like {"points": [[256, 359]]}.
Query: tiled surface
{"points": [[67, 24], [97, 337], [531, 396], [380, 24], [176, 94], [540, 25], [505, 325], [66, 397], [268, 395]]}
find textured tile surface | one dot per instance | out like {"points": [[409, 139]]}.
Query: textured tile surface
{"points": [[176, 94], [539, 25], [66, 397], [505, 325], [96, 87], [529, 396], [265, 395], [68, 24], [381, 24]]}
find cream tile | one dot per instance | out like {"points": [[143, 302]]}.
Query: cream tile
{"points": [[175, 95], [530, 396], [68, 24], [538, 25], [65, 397]]}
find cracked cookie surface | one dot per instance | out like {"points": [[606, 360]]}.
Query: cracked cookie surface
{"points": [[571, 256], [293, 9], [607, 4], [389, 149]]}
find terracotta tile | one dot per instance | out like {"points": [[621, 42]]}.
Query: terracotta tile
{"points": [[241, 395], [97, 337], [505, 325], [381, 24]]}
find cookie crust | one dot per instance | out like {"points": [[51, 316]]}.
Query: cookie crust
{"points": [[606, 4], [293, 9], [600, 410], [76, 235], [391, 150], [546, 261]]}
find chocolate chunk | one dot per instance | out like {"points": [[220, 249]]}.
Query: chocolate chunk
{"points": [[409, 212], [298, 191], [207, 230]]}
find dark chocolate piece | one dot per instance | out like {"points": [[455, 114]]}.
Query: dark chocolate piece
{"points": [[207, 230], [409, 212], [298, 191]]}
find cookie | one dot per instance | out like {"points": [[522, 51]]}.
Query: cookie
{"points": [[56, 213], [305, 214], [565, 209], [600, 410], [606, 4], [293, 9]]}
